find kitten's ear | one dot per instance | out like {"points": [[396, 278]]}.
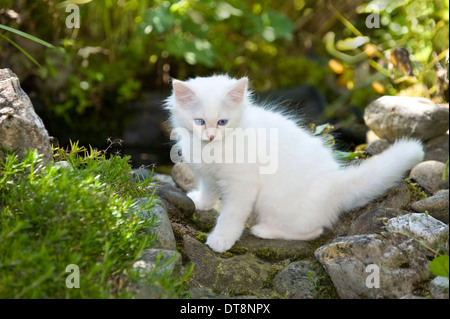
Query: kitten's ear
{"points": [[183, 94], [237, 93]]}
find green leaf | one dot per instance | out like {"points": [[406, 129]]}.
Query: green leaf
{"points": [[321, 128], [278, 24], [439, 266], [159, 18], [424, 55], [21, 50], [345, 155], [192, 50], [26, 35]]}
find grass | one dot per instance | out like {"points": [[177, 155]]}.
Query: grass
{"points": [[84, 214]]}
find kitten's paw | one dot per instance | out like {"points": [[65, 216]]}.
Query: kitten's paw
{"points": [[200, 201], [219, 243]]}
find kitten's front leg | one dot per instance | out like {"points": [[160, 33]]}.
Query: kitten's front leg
{"points": [[231, 222], [204, 197]]}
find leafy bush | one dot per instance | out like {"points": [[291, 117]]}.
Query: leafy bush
{"points": [[85, 214], [403, 54], [124, 48]]}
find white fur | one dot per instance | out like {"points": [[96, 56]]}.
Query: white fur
{"points": [[309, 189]]}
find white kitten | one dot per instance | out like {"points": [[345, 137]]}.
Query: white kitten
{"points": [[304, 194]]}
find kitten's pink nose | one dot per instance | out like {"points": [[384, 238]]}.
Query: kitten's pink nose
{"points": [[211, 138]]}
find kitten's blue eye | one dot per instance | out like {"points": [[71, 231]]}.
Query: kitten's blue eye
{"points": [[222, 122], [199, 121]]}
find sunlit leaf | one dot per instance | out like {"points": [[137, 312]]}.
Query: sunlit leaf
{"points": [[351, 43], [281, 25], [439, 266], [225, 10], [424, 54]]}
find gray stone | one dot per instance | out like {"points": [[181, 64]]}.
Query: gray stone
{"points": [[162, 259], [424, 228], [393, 117], [205, 220], [178, 205], [375, 265], [437, 206], [273, 248], [429, 175], [203, 293], [294, 282], [165, 178], [397, 257], [439, 288], [163, 228], [20, 126], [436, 149], [377, 146], [184, 176], [373, 221], [240, 274], [161, 262], [142, 174]]}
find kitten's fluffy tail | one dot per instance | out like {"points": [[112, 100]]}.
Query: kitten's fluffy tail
{"points": [[358, 185]]}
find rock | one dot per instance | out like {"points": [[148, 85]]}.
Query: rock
{"points": [[163, 228], [142, 174], [372, 221], [239, 274], [422, 227], [203, 293], [436, 206], [371, 137], [374, 265], [429, 175], [273, 249], [20, 126], [164, 178], [205, 220], [439, 288], [168, 261], [393, 117], [184, 176], [385, 265], [436, 149], [377, 146], [294, 282], [178, 205]]}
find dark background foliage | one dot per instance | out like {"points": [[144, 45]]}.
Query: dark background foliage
{"points": [[108, 77]]}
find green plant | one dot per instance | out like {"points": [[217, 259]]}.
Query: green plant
{"points": [[324, 131], [27, 36], [439, 266], [321, 284], [84, 214], [401, 56]]}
